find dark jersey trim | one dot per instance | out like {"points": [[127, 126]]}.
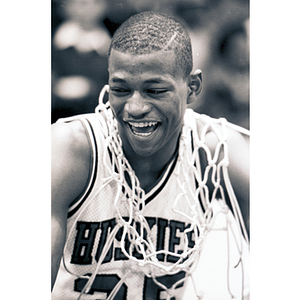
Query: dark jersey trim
{"points": [[196, 182], [94, 174], [160, 184], [163, 184]]}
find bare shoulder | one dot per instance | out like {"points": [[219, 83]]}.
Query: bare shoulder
{"points": [[237, 142], [71, 159], [236, 137], [70, 137]]}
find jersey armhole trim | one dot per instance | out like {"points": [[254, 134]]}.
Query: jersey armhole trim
{"points": [[77, 203]]}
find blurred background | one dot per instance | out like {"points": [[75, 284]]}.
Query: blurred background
{"points": [[219, 29]]}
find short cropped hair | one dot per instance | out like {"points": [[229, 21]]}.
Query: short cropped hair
{"points": [[149, 32]]}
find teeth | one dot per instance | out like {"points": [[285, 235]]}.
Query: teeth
{"points": [[142, 134], [142, 124], [143, 128]]}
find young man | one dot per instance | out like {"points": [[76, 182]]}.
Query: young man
{"points": [[140, 187]]}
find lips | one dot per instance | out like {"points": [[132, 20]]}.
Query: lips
{"points": [[143, 129]]}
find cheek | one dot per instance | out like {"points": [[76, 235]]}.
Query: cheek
{"points": [[175, 113], [180, 106], [180, 112], [116, 106]]}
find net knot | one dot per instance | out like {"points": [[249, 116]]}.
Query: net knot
{"points": [[211, 163], [142, 263], [225, 162]]}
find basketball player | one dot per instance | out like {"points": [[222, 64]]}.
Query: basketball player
{"points": [[141, 207]]}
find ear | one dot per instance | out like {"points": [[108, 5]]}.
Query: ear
{"points": [[195, 85]]}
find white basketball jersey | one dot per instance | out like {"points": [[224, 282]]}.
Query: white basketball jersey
{"points": [[220, 273]]}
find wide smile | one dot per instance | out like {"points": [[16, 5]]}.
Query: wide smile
{"points": [[143, 129]]}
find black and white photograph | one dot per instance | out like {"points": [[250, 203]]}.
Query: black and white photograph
{"points": [[150, 150]]}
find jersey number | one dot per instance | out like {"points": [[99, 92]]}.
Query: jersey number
{"points": [[106, 283]]}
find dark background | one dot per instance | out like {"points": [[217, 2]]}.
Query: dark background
{"points": [[219, 31]]}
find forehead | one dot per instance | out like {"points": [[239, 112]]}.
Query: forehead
{"points": [[161, 63]]}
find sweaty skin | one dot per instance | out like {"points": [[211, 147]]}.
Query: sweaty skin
{"points": [[148, 96]]}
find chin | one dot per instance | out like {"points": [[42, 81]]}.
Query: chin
{"points": [[145, 152]]}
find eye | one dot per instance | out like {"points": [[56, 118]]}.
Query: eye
{"points": [[156, 91], [119, 91]]}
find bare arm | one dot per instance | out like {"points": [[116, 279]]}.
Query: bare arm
{"points": [[238, 169], [239, 162], [70, 171]]}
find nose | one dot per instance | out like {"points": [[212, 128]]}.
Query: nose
{"points": [[136, 107]]}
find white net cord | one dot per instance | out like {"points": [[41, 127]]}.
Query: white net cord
{"points": [[201, 218]]}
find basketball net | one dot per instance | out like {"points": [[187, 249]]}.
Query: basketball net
{"points": [[201, 220]]}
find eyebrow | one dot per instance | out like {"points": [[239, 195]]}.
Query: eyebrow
{"points": [[149, 81], [156, 80], [118, 80]]}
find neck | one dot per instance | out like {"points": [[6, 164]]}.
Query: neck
{"points": [[149, 169]]}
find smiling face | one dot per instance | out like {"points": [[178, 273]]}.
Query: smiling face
{"points": [[148, 96]]}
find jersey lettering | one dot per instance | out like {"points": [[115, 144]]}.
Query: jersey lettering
{"points": [[85, 238], [161, 232], [153, 292], [106, 228], [103, 284], [87, 231], [174, 239]]}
